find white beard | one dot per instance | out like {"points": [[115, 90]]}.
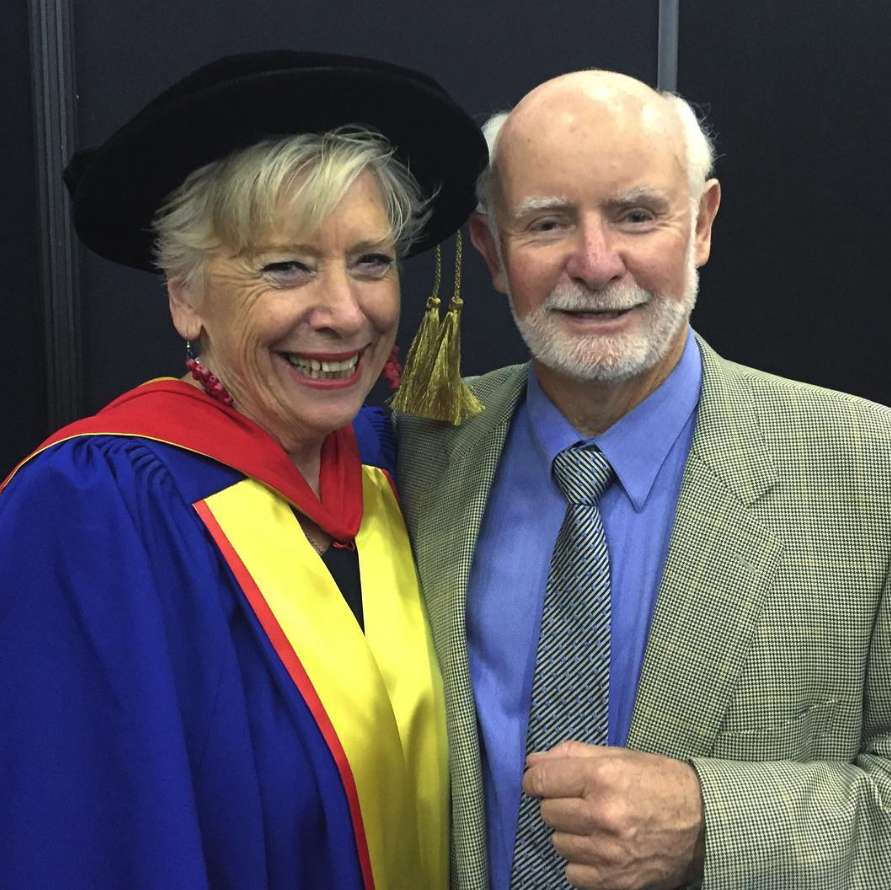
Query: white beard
{"points": [[604, 358]]}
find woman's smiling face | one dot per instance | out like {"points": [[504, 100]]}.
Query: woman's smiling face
{"points": [[299, 330]]}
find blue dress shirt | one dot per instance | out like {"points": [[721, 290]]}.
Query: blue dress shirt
{"points": [[647, 449]]}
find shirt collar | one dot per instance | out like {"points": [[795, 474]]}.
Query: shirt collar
{"points": [[638, 444]]}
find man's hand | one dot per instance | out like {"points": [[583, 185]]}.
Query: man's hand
{"points": [[623, 819]]}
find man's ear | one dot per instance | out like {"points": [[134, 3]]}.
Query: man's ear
{"points": [[183, 310], [708, 209], [484, 242]]}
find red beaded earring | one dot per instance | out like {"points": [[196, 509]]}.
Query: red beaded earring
{"points": [[392, 371], [210, 384]]}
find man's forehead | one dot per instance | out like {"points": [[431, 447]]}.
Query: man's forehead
{"points": [[602, 114], [620, 140]]}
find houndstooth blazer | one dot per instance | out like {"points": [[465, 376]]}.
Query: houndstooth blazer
{"points": [[768, 664]]}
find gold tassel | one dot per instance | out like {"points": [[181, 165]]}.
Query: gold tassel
{"points": [[446, 396], [422, 352]]}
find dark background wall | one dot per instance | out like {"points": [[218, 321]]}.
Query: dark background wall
{"points": [[794, 283], [486, 63], [22, 382], [797, 94]]}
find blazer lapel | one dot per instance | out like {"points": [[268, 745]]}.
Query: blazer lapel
{"points": [[448, 526], [720, 564], [445, 489]]}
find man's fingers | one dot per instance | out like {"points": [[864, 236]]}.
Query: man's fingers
{"points": [[600, 817], [571, 815], [555, 777], [569, 748], [574, 848], [565, 776], [584, 877]]}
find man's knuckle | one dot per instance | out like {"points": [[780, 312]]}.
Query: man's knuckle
{"points": [[615, 814], [535, 782]]}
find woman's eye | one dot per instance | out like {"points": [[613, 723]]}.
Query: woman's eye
{"points": [[375, 263], [286, 271]]}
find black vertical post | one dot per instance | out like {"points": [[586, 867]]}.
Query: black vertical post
{"points": [[54, 96], [667, 75]]}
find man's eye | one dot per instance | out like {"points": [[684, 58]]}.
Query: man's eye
{"points": [[375, 263], [637, 216], [286, 271], [549, 224]]}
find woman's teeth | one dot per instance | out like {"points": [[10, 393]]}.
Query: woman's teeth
{"points": [[324, 370]]}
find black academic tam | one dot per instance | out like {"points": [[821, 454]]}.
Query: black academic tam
{"points": [[237, 101]]}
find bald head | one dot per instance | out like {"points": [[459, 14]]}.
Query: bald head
{"points": [[597, 228], [584, 105], [610, 89]]}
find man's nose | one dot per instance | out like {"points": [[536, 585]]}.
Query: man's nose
{"points": [[596, 259]]}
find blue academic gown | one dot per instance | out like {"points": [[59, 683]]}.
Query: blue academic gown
{"points": [[150, 737]]}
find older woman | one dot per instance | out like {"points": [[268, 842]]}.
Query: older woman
{"points": [[216, 667]]}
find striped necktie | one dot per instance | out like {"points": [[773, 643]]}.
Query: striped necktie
{"points": [[570, 690]]}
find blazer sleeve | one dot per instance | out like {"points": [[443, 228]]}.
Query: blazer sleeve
{"points": [[823, 825]]}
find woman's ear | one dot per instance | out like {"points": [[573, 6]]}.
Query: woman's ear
{"points": [[183, 309]]}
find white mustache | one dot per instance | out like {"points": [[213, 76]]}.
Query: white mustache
{"points": [[612, 299]]}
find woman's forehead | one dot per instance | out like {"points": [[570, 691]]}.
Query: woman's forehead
{"points": [[303, 218]]}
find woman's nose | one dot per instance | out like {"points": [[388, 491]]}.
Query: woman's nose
{"points": [[338, 305]]}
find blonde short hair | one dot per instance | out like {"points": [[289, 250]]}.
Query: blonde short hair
{"points": [[229, 203]]}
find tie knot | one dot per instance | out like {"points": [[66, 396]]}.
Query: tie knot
{"points": [[582, 474]]}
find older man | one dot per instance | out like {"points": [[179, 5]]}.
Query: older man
{"points": [[691, 659]]}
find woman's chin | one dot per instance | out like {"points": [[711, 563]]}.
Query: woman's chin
{"points": [[303, 408], [325, 409]]}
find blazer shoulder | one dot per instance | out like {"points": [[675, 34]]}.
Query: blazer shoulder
{"points": [[797, 424], [489, 386], [789, 403], [499, 392]]}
